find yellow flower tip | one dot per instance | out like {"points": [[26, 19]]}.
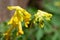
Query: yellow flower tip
{"points": [[48, 16], [19, 33], [14, 7], [26, 25], [10, 7], [41, 25]]}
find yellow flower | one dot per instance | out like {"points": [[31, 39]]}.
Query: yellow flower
{"points": [[41, 15], [20, 31], [26, 17], [15, 8], [19, 16], [41, 24]]}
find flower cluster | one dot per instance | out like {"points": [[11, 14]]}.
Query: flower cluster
{"points": [[40, 16], [21, 15]]}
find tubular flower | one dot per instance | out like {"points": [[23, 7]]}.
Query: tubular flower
{"points": [[26, 17], [19, 16], [40, 16]]}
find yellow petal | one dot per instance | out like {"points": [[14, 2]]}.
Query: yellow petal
{"points": [[20, 30], [41, 24], [14, 7], [26, 24]]}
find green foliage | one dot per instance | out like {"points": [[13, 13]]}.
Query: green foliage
{"points": [[52, 6]]}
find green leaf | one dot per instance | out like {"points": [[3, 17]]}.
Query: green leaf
{"points": [[56, 20], [39, 34]]}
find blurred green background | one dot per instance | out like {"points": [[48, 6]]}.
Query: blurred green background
{"points": [[51, 30]]}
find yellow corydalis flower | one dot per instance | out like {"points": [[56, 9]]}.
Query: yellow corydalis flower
{"points": [[40, 16], [26, 17], [19, 16]]}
